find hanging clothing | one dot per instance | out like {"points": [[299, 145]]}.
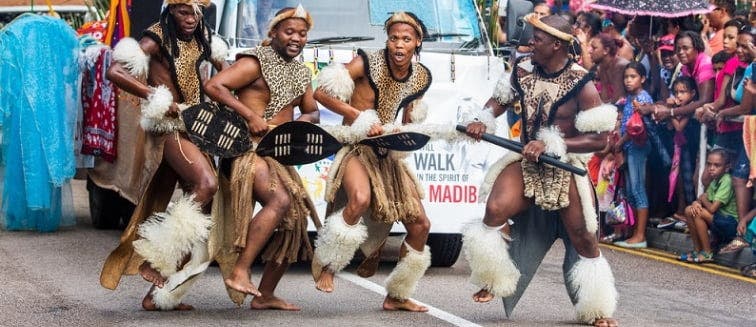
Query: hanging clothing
{"points": [[98, 98], [38, 118]]}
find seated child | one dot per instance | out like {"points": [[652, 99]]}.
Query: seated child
{"points": [[714, 210]]}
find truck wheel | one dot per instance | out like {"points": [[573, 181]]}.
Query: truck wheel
{"points": [[106, 208], [445, 249]]}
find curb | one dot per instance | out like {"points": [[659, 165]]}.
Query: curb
{"points": [[678, 242], [666, 257]]}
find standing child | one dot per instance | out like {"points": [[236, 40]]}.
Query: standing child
{"points": [[715, 210], [636, 152], [684, 91]]}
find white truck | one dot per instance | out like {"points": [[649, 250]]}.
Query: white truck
{"points": [[464, 71]]}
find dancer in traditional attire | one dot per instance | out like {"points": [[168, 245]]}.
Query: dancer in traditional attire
{"points": [[562, 116], [269, 83], [168, 247], [368, 92]]}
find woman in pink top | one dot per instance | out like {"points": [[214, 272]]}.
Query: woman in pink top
{"points": [[690, 51]]}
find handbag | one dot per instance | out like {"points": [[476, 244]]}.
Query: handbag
{"points": [[617, 213], [607, 184], [620, 212], [636, 129]]}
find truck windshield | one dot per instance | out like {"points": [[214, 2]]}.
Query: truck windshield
{"points": [[452, 24]]}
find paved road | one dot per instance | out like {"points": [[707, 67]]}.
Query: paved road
{"points": [[52, 279]]}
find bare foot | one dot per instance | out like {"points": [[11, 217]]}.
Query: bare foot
{"points": [[483, 296], [149, 305], [325, 282], [391, 304], [151, 275], [272, 303], [606, 322], [240, 282]]}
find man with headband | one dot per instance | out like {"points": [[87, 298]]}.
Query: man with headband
{"points": [[562, 115], [368, 92], [167, 247], [263, 86]]}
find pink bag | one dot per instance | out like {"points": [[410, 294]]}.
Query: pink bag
{"points": [[636, 129], [620, 212], [607, 184]]}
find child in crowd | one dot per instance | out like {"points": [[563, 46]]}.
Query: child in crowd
{"points": [[670, 69], [636, 152], [684, 91], [714, 210], [719, 59]]}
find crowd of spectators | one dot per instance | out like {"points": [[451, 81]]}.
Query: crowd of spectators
{"points": [[690, 79]]}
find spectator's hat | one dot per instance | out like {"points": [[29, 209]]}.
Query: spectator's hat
{"points": [[667, 43]]}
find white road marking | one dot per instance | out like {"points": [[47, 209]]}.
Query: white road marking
{"points": [[433, 311]]}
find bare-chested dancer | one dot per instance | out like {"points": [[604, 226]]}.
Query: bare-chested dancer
{"points": [[268, 83], [368, 92], [563, 116], [160, 69]]}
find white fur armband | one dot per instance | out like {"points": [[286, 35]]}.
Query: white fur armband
{"points": [[218, 49], [486, 117], [358, 130], [503, 92], [364, 122], [599, 119], [419, 111], [154, 109], [129, 54], [335, 81], [554, 141]]}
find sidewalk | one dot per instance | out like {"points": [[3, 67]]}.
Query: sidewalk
{"points": [[678, 242]]}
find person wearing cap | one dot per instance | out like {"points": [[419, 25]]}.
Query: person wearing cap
{"points": [[670, 67], [167, 247], [368, 92], [563, 116], [263, 86]]}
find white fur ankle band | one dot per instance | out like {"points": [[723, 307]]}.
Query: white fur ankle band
{"points": [[487, 252], [402, 281], [337, 241], [178, 285], [596, 293], [166, 238]]}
